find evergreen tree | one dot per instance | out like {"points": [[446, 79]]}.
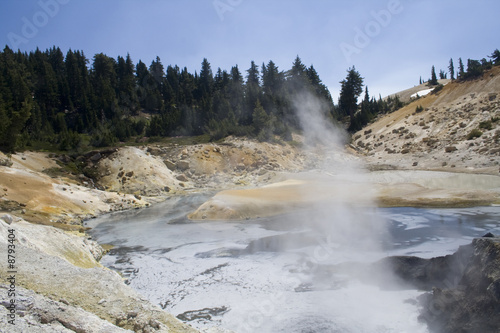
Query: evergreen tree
{"points": [[205, 91], [474, 69], [236, 93], [261, 123], [461, 69], [252, 94], [433, 81], [272, 87], [104, 81], [442, 75], [126, 86], [155, 85], [451, 69], [495, 56], [351, 88], [319, 88]]}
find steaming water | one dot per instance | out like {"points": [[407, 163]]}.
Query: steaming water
{"points": [[261, 275]]}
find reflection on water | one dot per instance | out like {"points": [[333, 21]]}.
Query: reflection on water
{"points": [[257, 275]]}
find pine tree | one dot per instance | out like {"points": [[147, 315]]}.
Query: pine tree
{"points": [[442, 75], [104, 81], [261, 123], [461, 69], [351, 88], [252, 93], [433, 81], [451, 69], [495, 56], [236, 93], [128, 101], [205, 95]]}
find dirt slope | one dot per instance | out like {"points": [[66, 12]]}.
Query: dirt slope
{"points": [[439, 137]]}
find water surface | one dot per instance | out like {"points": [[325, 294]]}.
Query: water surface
{"points": [[258, 275]]}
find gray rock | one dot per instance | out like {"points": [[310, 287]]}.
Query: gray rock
{"points": [[37, 313], [182, 178], [96, 157], [7, 218], [170, 165], [182, 165]]}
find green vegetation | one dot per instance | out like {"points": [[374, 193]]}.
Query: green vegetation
{"points": [[475, 133], [56, 102], [433, 81], [486, 125], [438, 88], [475, 68], [67, 102]]}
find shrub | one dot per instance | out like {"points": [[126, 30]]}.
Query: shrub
{"points": [[487, 125], [438, 88], [475, 133]]}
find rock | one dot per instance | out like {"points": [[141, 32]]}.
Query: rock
{"points": [[154, 151], [7, 218], [182, 165], [463, 288], [472, 304], [182, 178], [132, 314], [37, 313], [49, 259], [96, 157], [5, 161], [492, 96], [450, 149], [170, 165]]}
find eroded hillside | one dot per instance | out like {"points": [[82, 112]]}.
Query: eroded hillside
{"points": [[457, 129]]}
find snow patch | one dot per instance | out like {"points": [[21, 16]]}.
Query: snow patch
{"points": [[422, 93]]}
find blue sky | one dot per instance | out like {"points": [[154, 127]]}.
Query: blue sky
{"points": [[391, 42]]}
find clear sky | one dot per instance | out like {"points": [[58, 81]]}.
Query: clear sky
{"points": [[391, 42]]}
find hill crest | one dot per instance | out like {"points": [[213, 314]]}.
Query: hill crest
{"points": [[458, 128]]}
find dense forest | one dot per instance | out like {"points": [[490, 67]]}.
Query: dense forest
{"points": [[49, 100]]}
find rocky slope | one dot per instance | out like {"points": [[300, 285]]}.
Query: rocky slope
{"points": [[458, 130], [70, 290]]}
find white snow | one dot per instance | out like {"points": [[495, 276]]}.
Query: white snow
{"points": [[422, 93]]}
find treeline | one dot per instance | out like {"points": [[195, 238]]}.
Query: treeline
{"points": [[48, 99], [363, 112], [474, 69], [357, 114]]}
